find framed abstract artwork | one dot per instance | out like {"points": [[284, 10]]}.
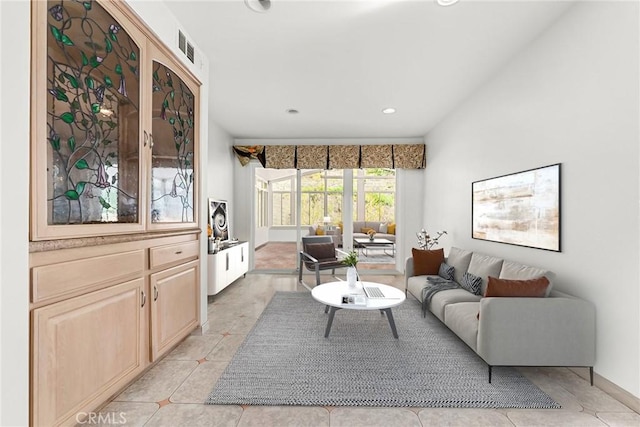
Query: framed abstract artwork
{"points": [[219, 219], [521, 208]]}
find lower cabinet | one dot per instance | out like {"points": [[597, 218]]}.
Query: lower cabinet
{"points": [[174, 306], [100, 315], [85, 349], [226, 266]]}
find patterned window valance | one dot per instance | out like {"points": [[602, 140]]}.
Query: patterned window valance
{"points": [[246, 153], [376, 156], [409, 156], [399, 156], [311, 156], [344, 156], [280, 156]]}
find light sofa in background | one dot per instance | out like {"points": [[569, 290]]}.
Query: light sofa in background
{"points": [[376, 226], [358, 226], [557, 330]]}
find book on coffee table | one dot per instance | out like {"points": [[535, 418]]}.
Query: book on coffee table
{"points": [[354, 299]]}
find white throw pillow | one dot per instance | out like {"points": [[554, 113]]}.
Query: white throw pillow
{"points": [[383, 228]]}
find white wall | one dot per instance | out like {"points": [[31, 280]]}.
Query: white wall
{"points": [[572, 97], [14, 213], [220, 167]]}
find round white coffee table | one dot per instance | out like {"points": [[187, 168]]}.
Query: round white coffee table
{"points": [[331, 295]]}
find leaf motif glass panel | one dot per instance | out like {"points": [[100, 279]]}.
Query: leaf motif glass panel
{"points": [[172, 179], [93, 100]]}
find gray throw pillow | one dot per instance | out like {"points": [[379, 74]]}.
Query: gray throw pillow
{"points": [[471, 283], [446, 271]]}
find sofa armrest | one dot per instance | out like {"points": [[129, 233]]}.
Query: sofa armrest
{"points": [[553, 331], [408, 272]]}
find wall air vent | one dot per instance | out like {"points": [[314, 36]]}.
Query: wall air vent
{"points": [[182, 42], [190, 52]]}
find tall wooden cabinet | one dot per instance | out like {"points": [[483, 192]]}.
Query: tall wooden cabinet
{"points": [[115, 233]]}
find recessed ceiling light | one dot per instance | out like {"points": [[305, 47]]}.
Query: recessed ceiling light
{"points": [[446, 2], [292, 111], [260, 6], [389, 110]]}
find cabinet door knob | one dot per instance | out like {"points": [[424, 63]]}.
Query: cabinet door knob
{"points": [[151, 140], [144, 298], [178, 252], [155, 293], [145, 139]]}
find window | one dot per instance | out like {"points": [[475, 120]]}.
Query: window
{"points": [[283, 197], [262, 203], [321, 196], [374, 194]]}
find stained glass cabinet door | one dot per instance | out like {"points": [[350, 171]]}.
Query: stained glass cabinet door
{"points": [[114, 133], [87, 103], [173, 185]]}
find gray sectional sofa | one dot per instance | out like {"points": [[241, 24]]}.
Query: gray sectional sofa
{"points": [[557, 330]]}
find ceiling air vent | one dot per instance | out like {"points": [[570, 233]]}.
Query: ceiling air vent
{"points": [[190, 52]]}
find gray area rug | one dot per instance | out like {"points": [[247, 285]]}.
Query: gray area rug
{"points": [[376, 257], [285, 360]]}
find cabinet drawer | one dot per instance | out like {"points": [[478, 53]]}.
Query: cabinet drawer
{"points": [[168, 254], [50, 281]]}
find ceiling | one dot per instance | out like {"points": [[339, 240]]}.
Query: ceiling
{"points": [[339, 63]]}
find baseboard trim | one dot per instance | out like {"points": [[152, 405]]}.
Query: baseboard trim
{"points": [[613, 390]]}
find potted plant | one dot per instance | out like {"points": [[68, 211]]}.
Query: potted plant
{"points": [[351, 260]]}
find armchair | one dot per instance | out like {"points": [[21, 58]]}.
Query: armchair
{"points": [[318, 254]]}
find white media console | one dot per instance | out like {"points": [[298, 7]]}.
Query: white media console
{"points": [[226, 266]]}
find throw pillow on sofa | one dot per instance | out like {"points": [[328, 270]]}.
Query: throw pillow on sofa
{"points": [[446, 271], [471, 283], [383, 228], [391, 228], [427, 262], [536, 288]]}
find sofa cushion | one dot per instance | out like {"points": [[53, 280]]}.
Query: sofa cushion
{"points": [[484, 266], [427, 261], [536, 288], [462, 319], [415, 284], [446, 271], [471, 283], [459, 259], [391, 228], [451, 296], [383, 228], [513, 270]]}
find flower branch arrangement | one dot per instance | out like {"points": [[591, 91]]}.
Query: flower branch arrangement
{"points": [[371, 234], [425, 241]]}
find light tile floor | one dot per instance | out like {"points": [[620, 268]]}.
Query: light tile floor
{"points": [[173, 391]]}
